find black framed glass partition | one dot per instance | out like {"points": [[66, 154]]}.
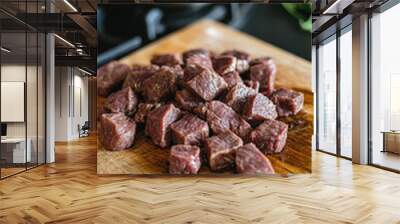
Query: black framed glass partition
{"points": [[384, 114], [14, 151], [22, 101], [334, 94]]}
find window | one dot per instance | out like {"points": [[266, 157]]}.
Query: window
{"points": [[346, 93], [385, 89], [327, 96]]}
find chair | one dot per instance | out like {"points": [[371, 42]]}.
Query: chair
{"points": [[84, 130]]}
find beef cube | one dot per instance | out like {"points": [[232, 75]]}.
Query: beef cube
{"points": [[237, 96], [207, 85], [110, 77], [184, 159], [221, 118], [161, 85], [249, 160], [253, 84], [186, 100], [138, 74], [191, 71], [197, 51], [262, 60], [288, 102], [100, 110], [221, 150], [265, 74], [242, 62], [224, 64], [190, 130], [201, 60], [166, 59], [158, 122], [143, 110], [201, 111], [259, 107], [237, 54], [124, 101], [270, 136], [117, 131], [232, 78], [177, 70], [146, 69]]}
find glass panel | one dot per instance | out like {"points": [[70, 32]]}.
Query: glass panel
{"points": [[327, 97], [385, 84], [31, 98], [31, 88], [41, 99], [346, 94], [13, 79]]}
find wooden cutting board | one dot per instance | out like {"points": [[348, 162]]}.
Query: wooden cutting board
{"points": [[293, 72]]}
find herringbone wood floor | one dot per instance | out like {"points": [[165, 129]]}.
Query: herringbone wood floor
{"points": [[69, 191]]}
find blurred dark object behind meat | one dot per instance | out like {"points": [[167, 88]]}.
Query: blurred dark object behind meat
{"points": [[135, 26]]}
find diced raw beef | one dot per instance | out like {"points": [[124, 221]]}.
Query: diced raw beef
{"points": [[139, 73], [249, 160], [232, 78], [190, 130], [197, 51], [224, 64], [177, 70], [124, 101], [146, 69], [158, 122], [221, 150], [237, 96], [243, 58], [100, 110], [221, 118], [191, 71], [143, 110], [238, 54], [201, 111], [259, 107], [200, 59], [207, 84], [184, 159], [110, 77], [288, 102], [166, 59], [270, 136], [117, 131], [262, 60], [161, 85], [265, 74], [253, 84], [186, 100]]}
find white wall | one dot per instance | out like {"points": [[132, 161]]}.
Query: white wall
{"points": [[16, 73], [70, 83], [62, 81], [9, 73]]}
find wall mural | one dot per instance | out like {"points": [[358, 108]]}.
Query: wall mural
{"points": [[200, 93]]}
